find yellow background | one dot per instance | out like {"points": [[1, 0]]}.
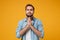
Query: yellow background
{"points": [[11, 11]]}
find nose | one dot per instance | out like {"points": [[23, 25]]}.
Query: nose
{"points": [[29, 11]]}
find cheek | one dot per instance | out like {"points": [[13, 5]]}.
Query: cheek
{"points": [[27, 11], [31, 11]]}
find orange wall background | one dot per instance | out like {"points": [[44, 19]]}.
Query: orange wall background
{"points": [[11, 11]]}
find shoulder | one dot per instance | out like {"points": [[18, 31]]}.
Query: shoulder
{"points": [[38, 21], [21, 21]]}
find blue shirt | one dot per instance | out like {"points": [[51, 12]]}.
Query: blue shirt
{"points": [[36, 23]]}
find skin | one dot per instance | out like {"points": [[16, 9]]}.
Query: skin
{"points": [[29, 12]]}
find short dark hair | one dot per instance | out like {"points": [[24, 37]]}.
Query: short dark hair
{"points": [[29, 5]]}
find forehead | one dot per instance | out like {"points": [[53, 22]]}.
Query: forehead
{"points": [[29, 7]]}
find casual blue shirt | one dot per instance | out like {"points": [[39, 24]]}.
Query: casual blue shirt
{"points": [[36, 23]]}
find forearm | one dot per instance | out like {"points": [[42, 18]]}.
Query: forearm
{"points": [[37, 32], [24, 30]]}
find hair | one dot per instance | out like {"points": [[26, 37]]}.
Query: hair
{"points": [[29, 5]]}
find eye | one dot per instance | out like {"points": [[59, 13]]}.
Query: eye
{"points": [[27, 9], [31, 9]]}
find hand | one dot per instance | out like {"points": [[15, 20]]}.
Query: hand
{"points": [[29, 22]]}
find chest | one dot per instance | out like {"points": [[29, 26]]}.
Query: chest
{"points": [[35, 24]]}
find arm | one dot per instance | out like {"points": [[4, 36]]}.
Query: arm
{"points": [[20, 31], [36, 31], [39, 31], [23, 31]]}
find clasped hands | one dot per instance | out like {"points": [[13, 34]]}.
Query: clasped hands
{"points": [[29, 23]]}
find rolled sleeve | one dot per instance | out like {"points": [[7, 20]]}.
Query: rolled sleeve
{"points": [[18, 30], [40, 28]]}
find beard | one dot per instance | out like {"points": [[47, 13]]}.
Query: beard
{"points": [[29, 15]]}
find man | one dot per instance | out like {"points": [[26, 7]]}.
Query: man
{"points": [[30, 28]]}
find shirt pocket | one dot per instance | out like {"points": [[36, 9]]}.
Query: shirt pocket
{"points": [[35, 25], [24, 25]]}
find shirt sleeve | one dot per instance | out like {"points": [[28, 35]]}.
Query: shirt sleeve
{"points": [[18, 30], [40, 28]]}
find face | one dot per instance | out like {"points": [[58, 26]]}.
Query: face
{"points": [[29, 11]]}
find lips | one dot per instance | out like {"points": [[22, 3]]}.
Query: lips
{"points": [[29, 14]]}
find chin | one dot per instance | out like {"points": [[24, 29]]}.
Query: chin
{"points": [[29, 15]]}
